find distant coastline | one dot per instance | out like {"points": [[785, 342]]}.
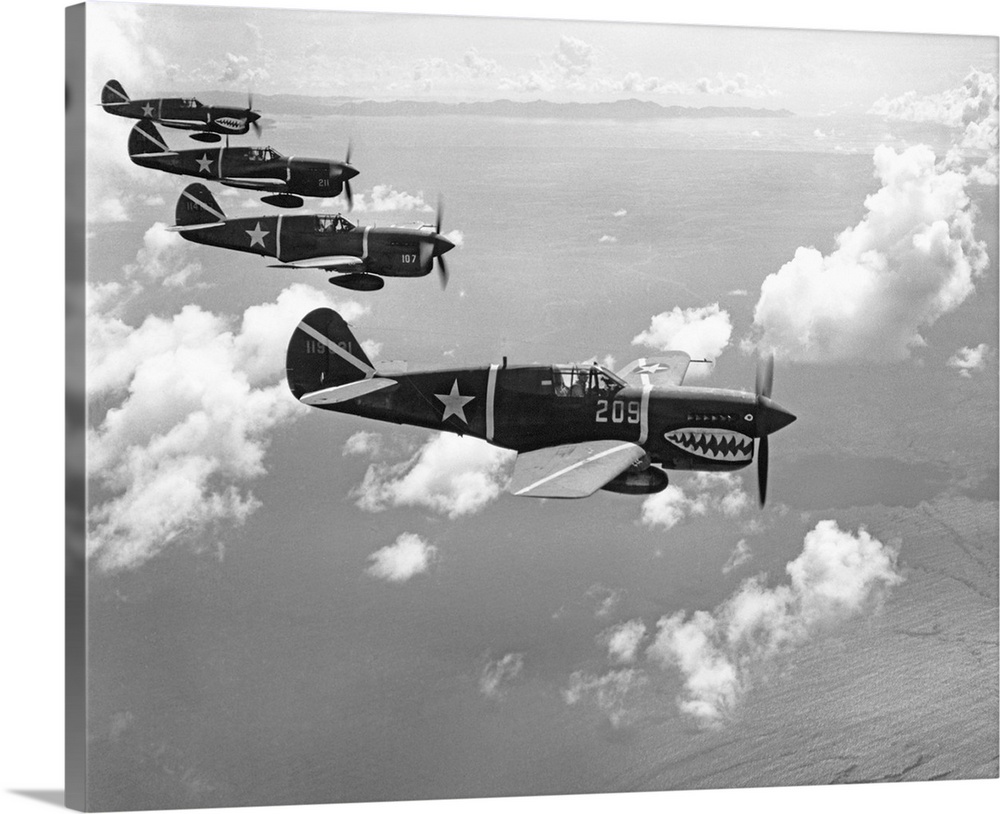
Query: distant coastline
{"points": [[505, 108]]}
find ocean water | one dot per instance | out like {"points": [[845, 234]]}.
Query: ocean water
{"points": [[261, 664]]}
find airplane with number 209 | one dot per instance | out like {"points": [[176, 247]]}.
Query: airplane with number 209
{"points": [[576, 428], [212, 121], [327, 242], [259, 168]]}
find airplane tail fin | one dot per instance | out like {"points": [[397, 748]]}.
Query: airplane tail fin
{"points": [[144, 139], [196, 206], [325, 364], [113, 93]]}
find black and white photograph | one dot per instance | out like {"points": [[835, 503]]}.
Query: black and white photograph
{"points": [[486, 407]]}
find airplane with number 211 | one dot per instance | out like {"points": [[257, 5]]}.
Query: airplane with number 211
{"points": [[575, 428]]}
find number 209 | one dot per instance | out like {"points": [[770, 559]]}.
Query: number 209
{"points": [[619, 411]]}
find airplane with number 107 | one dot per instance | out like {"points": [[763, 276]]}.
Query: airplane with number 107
{"points": [[363, 255], [212, 121], [576, 428]]}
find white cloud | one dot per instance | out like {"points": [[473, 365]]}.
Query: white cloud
{"points": [[363, 443], [741, 554], [623, 641], [609, 691], [969, 359], [164, 256], [573, 56], [620, 213], [496, 674], [972, 107], [407, 557], [606, 598], [912, 258], [736, 85], [700, 332], [193, 405], [607, 239], [451, 474], [721, 654], [384, 198], [720, 492]]}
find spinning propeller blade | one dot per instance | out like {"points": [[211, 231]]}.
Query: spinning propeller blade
{"points": [[442, 244], [763, 385]]}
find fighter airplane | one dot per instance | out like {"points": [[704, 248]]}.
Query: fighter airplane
{"points": [[576, 428], [212, 121], [362, 254], [260, 168]]}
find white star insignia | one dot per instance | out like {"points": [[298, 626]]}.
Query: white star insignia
{"points": [[653, 368], [454, 403], [204, 163], [147, 109], [257, 235]]}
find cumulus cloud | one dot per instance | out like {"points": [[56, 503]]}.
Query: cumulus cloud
{"points": [[164, 256], [573, 56], [363, 443], [741, 554], [969, 359], [193, 402], [407, 557], [607, 239], [384, 198], [973, 107], [619, 213], [606, 599], [479, 66], [498, 673], [736, 85], [609, 691], [623, 641], [450, 474], [911, 259], [700, 332], [721, 654], [720, 492], [236, 69]]}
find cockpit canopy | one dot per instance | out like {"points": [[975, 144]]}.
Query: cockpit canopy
{"points": [[580, 380], [263, 154], [191, 103], [333, 223]]}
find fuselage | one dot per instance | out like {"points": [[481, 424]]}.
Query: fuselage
{"points": [[531, 407], [186, 114], [389, 251], [260, 168]]}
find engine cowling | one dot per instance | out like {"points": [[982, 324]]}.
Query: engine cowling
{"points": [[645, 482]]}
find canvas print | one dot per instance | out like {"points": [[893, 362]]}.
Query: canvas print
{"points": [[488, 407]]}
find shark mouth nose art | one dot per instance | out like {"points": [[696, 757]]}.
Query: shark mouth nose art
{"points": [[716, 445]]}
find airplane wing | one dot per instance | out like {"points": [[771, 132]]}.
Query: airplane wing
{"points": [[572, 470], [335, 263], [667, 369], [255, 183], [194, 226]]}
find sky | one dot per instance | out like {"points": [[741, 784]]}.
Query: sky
{"points": [[570, 71]]}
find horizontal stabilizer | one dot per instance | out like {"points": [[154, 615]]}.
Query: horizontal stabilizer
{"points": [[152, 155], [346, 392], [336, 263], [572, 470]]}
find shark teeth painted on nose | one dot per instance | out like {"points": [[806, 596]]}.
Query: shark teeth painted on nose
{"points": [[716, 445]]}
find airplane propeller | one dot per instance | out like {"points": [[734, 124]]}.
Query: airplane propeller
{"points": [[769, 417], [253, 115], [347, 182], [442, 244]]}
